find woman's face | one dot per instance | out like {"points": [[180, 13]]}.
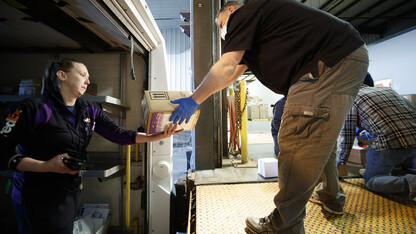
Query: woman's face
{"points": [[76, 80]]}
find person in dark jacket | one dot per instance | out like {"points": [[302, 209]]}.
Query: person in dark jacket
{"points": [[39, 132], [277, 119]]}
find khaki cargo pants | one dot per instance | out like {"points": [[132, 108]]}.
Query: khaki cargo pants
{"points": [[313, 116]]}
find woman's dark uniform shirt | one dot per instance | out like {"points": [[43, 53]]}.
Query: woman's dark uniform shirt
{"points": [[285, 39], [43, 127]]}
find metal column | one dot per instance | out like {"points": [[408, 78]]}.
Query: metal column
{"points": [[209, 129]]}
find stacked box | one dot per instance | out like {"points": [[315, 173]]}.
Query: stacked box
{"points": [[157, 110], [264, 111], [253, 112], [30, 87], [259, 111], [358, 155]]}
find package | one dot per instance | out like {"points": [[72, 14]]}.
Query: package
{"points": [[83, 225], [267, 167], [342, 170], [264, 111], [29, 91], [157, 110], [30, 87], [358, 155], [94, 219], [411, 98], [253, 112]]}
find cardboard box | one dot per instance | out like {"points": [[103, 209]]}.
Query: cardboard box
{"points": [[157, 110], [264, 111], [93, 219], [29, 90], [253, 112], [411, 98], [358, 155], [267, 167], [342, 170], [30, 87]]}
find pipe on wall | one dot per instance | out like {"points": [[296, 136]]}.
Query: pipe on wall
{"points": [[243, 131], [134, 221]]}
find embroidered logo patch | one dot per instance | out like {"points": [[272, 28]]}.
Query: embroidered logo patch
{"points": [[11, 121]]}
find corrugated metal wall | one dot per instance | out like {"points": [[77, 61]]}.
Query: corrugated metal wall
{"points": [[178, 52]]}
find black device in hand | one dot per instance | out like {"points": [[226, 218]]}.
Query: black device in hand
{"points": [[77, 164]]}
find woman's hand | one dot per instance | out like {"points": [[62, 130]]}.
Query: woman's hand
{"points": [[170, 130], [56, 165]]}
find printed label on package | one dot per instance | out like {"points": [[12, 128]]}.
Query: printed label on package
{"points": [[158, 96]]}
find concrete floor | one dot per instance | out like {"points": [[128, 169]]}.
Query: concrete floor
{"points": [[260, 145]]}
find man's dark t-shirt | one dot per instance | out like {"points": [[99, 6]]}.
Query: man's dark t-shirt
{"points": [[285, 39]]}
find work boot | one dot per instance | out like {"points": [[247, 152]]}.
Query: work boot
{"points": [[258, 225], [329, 208]]}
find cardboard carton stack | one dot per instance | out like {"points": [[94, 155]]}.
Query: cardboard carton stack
{"points": [[253, 112], [259, 111]]}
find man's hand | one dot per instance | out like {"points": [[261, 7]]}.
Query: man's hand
{"points": [[187, 107], [363, 137]]}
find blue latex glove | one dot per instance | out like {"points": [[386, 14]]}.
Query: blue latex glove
{"points": [[187, 107], [363, 136], [358, 131]]}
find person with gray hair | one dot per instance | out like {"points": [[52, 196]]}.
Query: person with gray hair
{"points": [[318, 62]]}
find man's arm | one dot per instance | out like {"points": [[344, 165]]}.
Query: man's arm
{"points": [[347, 135], [223, 73]]}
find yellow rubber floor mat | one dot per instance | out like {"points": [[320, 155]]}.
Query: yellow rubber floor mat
{"points": [[224, 208]]}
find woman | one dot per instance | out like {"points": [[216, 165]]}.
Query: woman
{"points": [[40, 131]]}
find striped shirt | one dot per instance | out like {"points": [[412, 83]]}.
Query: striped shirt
{"points": [[384, 114]]}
